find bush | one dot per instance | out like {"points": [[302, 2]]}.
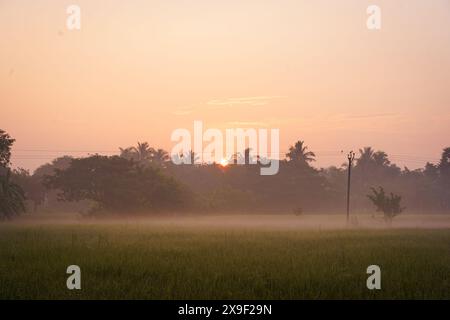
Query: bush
{"points": [[389, 205]]}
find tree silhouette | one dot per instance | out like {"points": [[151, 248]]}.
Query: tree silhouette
{"points": [[380, 158], [389, 205], [160, 156], [144, 151], [365, 157], [141, 153], [444, 177], [5, 148], [299, 153], [129, 153], [444, 165], [116, 184], [12, 197]]}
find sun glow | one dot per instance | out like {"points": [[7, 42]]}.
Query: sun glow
{"points": [[223, 162]]}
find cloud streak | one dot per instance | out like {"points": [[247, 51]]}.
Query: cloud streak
{"points": [[242, 101]]}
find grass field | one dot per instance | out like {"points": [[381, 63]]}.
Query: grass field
{"points": [[167, 260]]}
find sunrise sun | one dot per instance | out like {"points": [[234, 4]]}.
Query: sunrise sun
{"points": [[223, 162]]}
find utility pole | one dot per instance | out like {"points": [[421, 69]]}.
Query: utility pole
{"points": [[350, 157]]}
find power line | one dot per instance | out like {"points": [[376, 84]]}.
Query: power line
{"points": [[45, 154], [330, 153]]}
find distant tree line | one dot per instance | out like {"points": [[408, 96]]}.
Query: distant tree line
{"points": [[142, 179]]}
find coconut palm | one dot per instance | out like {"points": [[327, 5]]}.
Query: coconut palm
{"points": [[365, 156], [299, 152], [141, 153], [144, 151], [160, 156], [381, 159]]}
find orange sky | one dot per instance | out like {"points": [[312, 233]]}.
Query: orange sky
{"points": [[137, 70]]}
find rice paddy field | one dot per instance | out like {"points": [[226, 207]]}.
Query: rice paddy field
{"points": [[226, 257]]}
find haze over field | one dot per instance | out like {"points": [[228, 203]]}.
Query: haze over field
{"points": [[244, 221], [137, 70]]}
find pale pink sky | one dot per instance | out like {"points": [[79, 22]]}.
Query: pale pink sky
{"points": [[137, 70]]}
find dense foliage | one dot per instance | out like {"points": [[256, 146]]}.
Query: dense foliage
{"points": [[143, 178], [116, 184], [12, 197]]}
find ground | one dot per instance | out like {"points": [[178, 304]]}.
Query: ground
{"points": [[226, 257]]}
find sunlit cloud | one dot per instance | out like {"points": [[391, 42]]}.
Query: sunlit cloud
{"points": [[228, 102]]}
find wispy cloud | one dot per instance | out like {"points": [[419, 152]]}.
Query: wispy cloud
{"points": [[183, 111], [373, 115], [247, 123], [228, 102], [249, 101]]}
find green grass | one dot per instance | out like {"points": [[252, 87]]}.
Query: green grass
{"points": [[145, 261]]}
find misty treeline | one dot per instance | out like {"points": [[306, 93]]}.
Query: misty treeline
{"points": [[142, 179]]}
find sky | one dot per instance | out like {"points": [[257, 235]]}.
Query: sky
{"points": [[137, 70]]}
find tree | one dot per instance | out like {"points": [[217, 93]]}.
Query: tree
{"points": [[389, 205], [299, 153], [12, 198], [160, 156], [129, 153], [380, 158], [6, 143], [141, 153], [117, 185], [444, 166], [144, 151], [431, 171], [444, 177], [35, 189], [30, 186], [60, 163], [365, 157]]}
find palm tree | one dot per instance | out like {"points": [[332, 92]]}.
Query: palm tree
{"points": [[299, 153], [12, 197], [144, 151], [160, 156], [188, 157], [381, 159], [365, 156]]}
